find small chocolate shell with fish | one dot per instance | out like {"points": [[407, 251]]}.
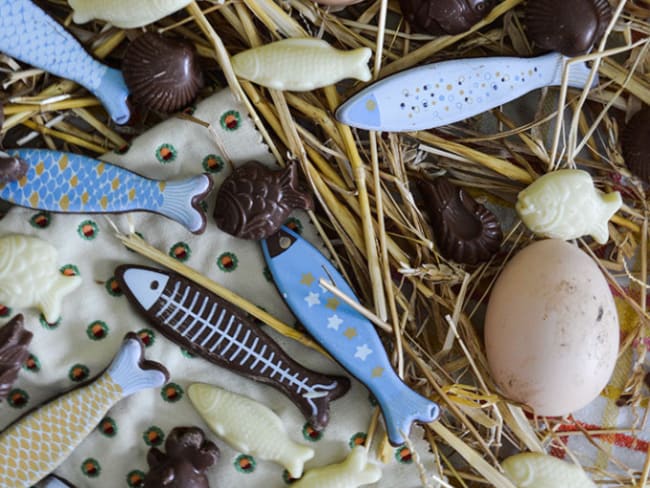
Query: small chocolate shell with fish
{"points": [[635, 143], [14, 341], [569, 27], [437, 17], [162, 73], [465, 231], [254, 201]]}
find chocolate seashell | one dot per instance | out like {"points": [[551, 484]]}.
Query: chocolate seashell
{"points": [[464, 230], [571, 27], [436, 17], [14, 341], [635, 142], [162, 73], [254, 201], [11, 168]]}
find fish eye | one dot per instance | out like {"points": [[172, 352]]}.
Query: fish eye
{"points": [[154, 285], [480, 6]]}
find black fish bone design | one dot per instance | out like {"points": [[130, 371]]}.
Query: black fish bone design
{"points": [[223, 334]]}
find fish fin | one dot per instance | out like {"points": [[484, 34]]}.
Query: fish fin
{"points": [[50, 304], [182, 202], [578, 75], [132, 372], [361, 57], [310, 42], [113, 93], [315, 404], [295, 457]]}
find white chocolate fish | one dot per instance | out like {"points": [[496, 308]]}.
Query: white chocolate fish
{"points": [[29, 276], [565, 204], [536, 470], [352, 472], [125, 13], [301, 64], [249, 426]]}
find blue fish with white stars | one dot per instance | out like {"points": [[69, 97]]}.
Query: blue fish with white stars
{"points": [[348, 336], [442, 93]]}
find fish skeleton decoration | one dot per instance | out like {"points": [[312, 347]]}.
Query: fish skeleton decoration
{"points": [[565, 204], [125, 14], [29, 276], [536, 470], [39, 442], [72, 183], [301, 64], [442, 93], [349, 337], [249, 426], [28, 34], [222, 333], [354, 471]]}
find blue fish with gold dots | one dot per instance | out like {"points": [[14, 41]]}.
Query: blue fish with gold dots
{"points": [[442, 93], [71, 183], [297, 267]]}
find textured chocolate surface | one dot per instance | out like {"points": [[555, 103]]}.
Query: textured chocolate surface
{"points": [[571, 27], [162, 73], [635, 142], [254, 201], [188, 456], [11, 168], [436, 17], [465, 231], [14, 341]]}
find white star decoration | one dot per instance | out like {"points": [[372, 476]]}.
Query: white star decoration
{"points": [[333, 322], [363, 352], [312, 299]]}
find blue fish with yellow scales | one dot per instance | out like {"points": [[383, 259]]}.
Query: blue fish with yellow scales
{"points": [[71, 183]]}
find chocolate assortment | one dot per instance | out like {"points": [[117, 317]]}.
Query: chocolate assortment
{"points": [[14, 341], [635, 143], [437, 17]]}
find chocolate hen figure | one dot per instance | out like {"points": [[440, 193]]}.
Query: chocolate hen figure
{"points": [[254, 201], [184, 464], [14, 341]]}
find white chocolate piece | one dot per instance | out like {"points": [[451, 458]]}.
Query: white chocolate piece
{"points": [[301, 64], [352, 472], [536, 470], [566, 205], [125, 13], [29, 276], [248, 426]]}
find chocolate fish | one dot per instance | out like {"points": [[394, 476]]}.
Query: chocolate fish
{"points": [[14, 341], [222, 333]]}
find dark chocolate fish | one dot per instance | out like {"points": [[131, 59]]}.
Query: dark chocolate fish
{"points": [[436, 17], [222, 333], [14, 341], [635, 142]]}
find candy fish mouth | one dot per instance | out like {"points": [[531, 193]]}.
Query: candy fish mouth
{"points": [[362, 112]]}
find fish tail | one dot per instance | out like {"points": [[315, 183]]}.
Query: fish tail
{"points": [[402, 406], [50, 304], [113, 93], [578, 76], [315, 404], [611, 203], [182, 201], [290, 196], [132, 372], [294, 458], [361, 56]]}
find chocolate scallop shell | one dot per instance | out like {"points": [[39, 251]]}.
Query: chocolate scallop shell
{"points": [[635, 143], [464, 230], [571, 27], [162, 74]]}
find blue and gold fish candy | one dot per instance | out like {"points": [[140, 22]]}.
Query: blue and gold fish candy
{"points": [[349, 337], [71, 183]]}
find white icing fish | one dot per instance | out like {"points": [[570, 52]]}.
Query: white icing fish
{"points": [[249, 426], [125, 13], [301, 64], [352, 472], [536, 470], [565, 204], [29, 276]]}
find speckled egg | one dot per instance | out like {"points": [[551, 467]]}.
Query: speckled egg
{"points": [[551, 329]]}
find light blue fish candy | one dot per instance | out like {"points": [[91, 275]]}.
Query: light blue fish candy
{"points": [[28, 34], [443, 93]]}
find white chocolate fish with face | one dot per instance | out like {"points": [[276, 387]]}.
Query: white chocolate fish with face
{"points": [[301, 64], [565, 204], [354, 471], [29, 276], [125, 13], [536, 470], [249, 427]]}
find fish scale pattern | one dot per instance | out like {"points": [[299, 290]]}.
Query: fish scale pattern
{"points": [[62, 182], [22, 36], [31, 449]]}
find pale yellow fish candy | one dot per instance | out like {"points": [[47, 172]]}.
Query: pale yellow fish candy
{"points": [[125, 13], [301, 64], [565, 204], [536, 470], [354, 471], [249, 427], [30, 276]]}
